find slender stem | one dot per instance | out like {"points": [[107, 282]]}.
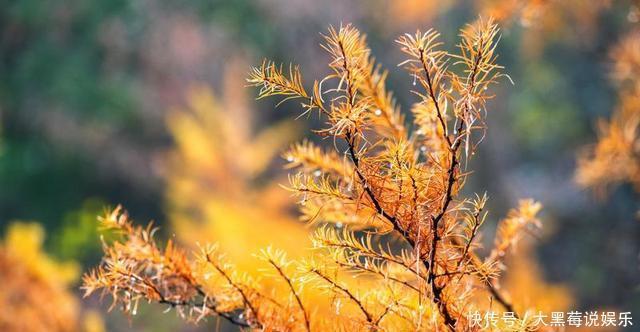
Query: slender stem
{"points": [[163, 300], [376, 256], [383, 275], [437, 290], [386, 311], [497, 295], [350, 139], [433, 97], [231, 319], [233, 284], [500, 298], [295, 294], [367, 188], [474, 230], [347, 292]]}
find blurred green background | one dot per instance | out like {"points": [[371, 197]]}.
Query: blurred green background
{"points": [[85, 87]]}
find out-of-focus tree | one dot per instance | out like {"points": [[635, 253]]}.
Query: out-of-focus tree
{"points": [[411, 12], [35, 293], [615, 158], [547, 21], [218, 185], [89, 125]]}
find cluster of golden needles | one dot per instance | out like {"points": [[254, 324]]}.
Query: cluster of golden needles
{"points": [[616, 156], [384, 183], [217, 186], [36, 293]]}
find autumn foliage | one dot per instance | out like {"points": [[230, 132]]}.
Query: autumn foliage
{"points": [[215, 174], [395, 242], [36, 293], [614, 159]]}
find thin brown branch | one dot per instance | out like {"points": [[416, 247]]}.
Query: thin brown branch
{"points": [[381, 274], [293, 291], [433, 97], [497, 295], [386, 311], [474, 230], [230, 318], [184, 303], [234, 285], [347, 292], [436, 289]]}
